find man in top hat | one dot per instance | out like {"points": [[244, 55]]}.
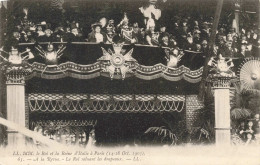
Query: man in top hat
{"points": [[73, 35], [48, 37], [96, 35], [162, 32]]}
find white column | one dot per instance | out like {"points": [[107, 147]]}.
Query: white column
{"points": [[15, 108], [222, 111]]}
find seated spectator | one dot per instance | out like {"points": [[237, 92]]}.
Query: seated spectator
{"points": [[205, 47], [96, 35]]}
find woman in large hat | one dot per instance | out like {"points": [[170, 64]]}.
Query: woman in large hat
{"points": [[96, 35]]}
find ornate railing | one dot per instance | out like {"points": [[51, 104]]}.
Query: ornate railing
{"points": [[104, 103]]}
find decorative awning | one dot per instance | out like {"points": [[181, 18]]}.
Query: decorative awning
{"points": [[104, 103]]}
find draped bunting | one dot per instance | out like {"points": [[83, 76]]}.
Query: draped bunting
{"points": [[70, 69]]}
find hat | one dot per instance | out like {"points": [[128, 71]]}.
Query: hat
{"points": [[110, 32], [48, 30], [204, 42], [73, 26], [94, 25], [111, 21], [135, 25], [13, 48], [153, 1], [41, 24]]}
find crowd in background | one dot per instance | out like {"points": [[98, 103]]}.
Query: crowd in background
{"points": [[190, 33]]}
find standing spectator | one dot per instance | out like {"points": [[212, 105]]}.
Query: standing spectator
{"points": [[229, 51], [48, 37], [189, 45], [136, 34], [40, 31], [243, 52], [205, 48], [151, 37], [164, 40]]}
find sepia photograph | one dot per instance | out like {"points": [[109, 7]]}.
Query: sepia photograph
{"points": [[130, 82]]}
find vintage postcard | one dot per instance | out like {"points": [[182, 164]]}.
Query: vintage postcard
{"points": [[129, 82]]}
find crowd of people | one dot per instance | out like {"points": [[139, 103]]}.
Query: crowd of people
{"points": [[188, 34], [249, 131]]}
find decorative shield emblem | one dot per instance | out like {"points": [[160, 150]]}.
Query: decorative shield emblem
{"points": [[117, 63]]}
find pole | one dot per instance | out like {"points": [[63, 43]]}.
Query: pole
{"points": [[258, 15], [211, 44]]}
